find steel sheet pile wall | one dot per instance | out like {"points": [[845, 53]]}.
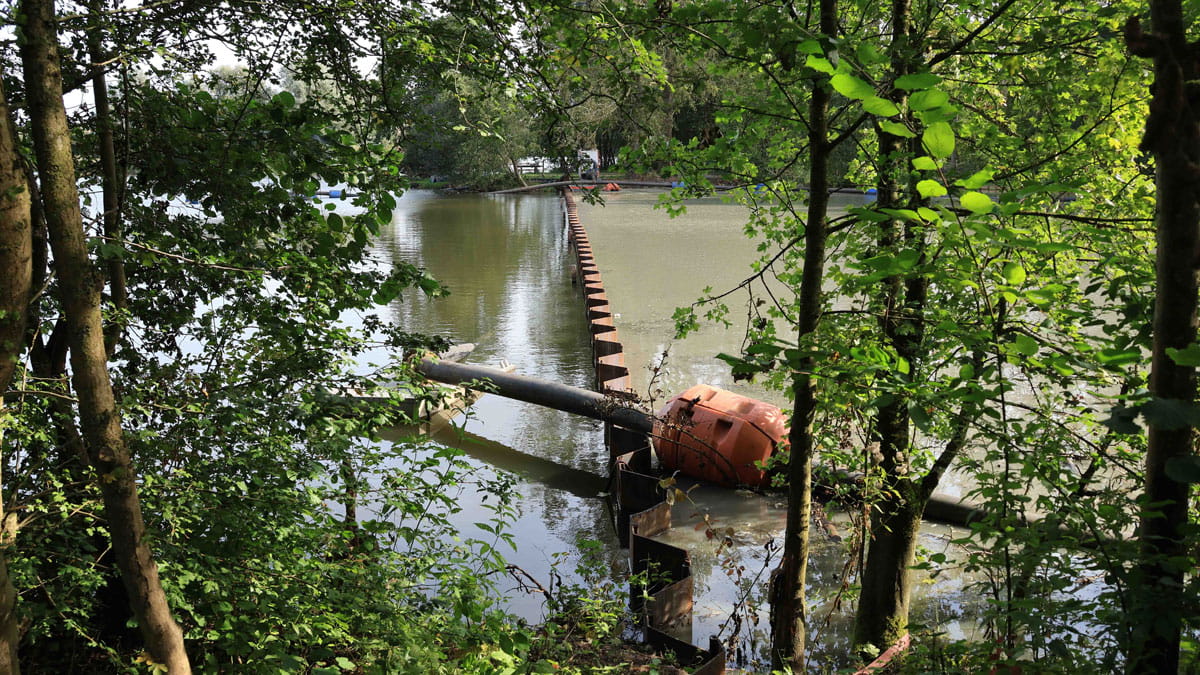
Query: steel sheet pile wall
{"points": [[665, 601]]}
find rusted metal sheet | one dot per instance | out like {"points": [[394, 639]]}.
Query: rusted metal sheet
{"points": [[652, 521]]}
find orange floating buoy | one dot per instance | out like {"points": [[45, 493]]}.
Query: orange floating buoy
{"points": [[718, 436]]}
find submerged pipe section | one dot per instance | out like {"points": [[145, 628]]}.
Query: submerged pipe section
{"points": [[540, 392]]}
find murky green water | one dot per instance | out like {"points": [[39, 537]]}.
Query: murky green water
{"points": [[507, 262]]}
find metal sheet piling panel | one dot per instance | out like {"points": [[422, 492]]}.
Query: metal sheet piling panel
{"points": [[597, 299], [637, 492], [626, 442], [652, 521], [642, 508], [606, 344], [666, 598]]}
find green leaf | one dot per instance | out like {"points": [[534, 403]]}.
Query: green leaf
{"points": [[926, 164], [1013, 273], [880, 106], [930, 188], [1118, 357], [810, 46], [851, 87], [1025, 345], [917, 81], [1188, 356], [976, 202], [919, 417], [976, 180], [935, 115], [344, 663], [1183, 468], [820, 64], [938, 139], [1121, 420], [928, 99], [896, 129], [868, 53], [1171, 413]]}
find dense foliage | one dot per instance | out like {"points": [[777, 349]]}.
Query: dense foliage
{"points": [[989, 311]]}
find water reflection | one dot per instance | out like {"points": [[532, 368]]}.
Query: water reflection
{"points": [[505, 260], [507, 264]]}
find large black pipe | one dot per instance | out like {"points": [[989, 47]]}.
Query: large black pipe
{"points": [[541, 392], [598, 406]]}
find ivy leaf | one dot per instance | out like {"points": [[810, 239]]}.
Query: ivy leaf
{"points": [[851, 87], [917, 81], [880, 106], [1188, 356], [930, 188], [938, 139], [976, 202], [896, 129]]}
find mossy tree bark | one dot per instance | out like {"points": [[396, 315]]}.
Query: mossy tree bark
{"points": [[79, 285]]}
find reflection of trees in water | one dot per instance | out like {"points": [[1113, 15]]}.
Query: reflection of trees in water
{"points": [[484, 248]]}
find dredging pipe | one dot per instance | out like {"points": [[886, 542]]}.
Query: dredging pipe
{"points": [[541, 392], [598, 406]]}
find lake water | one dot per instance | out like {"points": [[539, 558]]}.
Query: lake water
{"points": [[507, 261]]}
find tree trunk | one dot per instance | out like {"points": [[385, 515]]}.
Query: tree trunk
{"points": [[789, 611], [1173, 136], [16, 267], [882, 615], [110, 180], [79, 289]]}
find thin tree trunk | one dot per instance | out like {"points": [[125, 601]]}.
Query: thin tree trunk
{"points": [[16, 266], [882, 615], [1173, 135], [789, 611], [109, 175], [79, 289]]}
